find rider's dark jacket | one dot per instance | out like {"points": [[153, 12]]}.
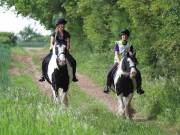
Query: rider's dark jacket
{"points": [[61, 39]]}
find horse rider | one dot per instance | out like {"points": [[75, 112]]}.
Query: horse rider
{"points": [[59, 36], [120, 49]]}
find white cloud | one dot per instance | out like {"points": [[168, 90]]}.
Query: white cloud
{"points": [[10, 22]]}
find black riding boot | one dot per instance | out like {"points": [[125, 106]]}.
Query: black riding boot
{"points": [[140, 91], [139, 83], [44, 67], [42, 78]]}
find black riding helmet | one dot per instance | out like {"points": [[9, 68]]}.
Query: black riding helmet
{"points": [[60, 21], [123, 32]]}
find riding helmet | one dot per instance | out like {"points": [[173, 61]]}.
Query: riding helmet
{"points": [[60, 21], [124, 31]]}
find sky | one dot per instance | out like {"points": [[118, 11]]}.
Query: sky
{"points": [[10, 22]]}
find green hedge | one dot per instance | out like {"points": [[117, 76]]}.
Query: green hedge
{"points": [[8, 38]]}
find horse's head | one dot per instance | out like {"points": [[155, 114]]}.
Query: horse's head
{"points": [[60, 52], [129, 64]]}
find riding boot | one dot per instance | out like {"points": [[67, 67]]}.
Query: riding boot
{"points": [[140, 91], [106, 89], [139, 83], [74, 78], [44, 67], [110, 78], [74, 72]]}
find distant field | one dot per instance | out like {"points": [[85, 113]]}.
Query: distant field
{"points": [[33, 44]]}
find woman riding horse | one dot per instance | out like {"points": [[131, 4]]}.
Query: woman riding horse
{"points": [[59, 36], [121, 48]]}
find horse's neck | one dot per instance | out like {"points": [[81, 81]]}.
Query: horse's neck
{"points": [[53, 61], [120, 70]]}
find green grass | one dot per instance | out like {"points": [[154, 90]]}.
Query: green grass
{"points": [[18, 51]]}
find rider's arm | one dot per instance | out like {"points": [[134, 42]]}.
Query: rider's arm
{"points": [[53, 36], [68, 43], [51, 42], [116, 56], [116, 52]]}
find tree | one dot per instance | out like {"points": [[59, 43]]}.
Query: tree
{"points": [[28, 33]]}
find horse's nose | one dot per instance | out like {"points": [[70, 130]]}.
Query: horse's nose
{"points": [[62, 62], [133, 72]]}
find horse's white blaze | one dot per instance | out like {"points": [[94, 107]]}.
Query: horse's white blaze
{"points": [[62, 57], [131, 63]]}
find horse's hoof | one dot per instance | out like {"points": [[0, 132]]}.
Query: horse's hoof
{"points": [[42, 79], [75, 80], [106, 90], [140, 91]]}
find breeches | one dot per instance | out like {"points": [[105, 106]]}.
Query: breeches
{"points": [[45, 63]]}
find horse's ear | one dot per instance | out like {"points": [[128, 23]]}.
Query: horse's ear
{"points": [[131, 49], [127, 54]]}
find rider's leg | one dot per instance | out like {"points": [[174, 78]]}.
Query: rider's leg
{"points": [[72, 61], [109, 78], [45, 66], [139, 82]]}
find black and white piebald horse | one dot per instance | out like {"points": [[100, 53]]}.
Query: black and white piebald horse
{"points": [[125, 83], [59, 74]]}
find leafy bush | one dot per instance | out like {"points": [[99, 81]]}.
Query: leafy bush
{"points": [[8, 38]]}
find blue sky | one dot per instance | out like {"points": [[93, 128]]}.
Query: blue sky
{"points": [[10, 22]]}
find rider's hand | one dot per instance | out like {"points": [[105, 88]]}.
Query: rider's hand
{"points": [[50, 50]]}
